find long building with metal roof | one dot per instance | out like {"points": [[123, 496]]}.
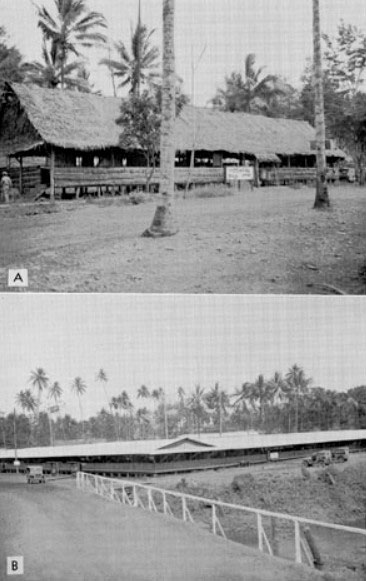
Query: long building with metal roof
{"points": [[189, 452]]}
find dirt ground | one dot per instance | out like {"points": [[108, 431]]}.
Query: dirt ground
{"points": [[66, 534], [266, 241]]}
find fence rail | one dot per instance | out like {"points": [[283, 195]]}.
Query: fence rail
{"points": [[75, 177], [184, 505]]}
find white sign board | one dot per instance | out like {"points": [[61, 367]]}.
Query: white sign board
{"points": [[239, 173]]}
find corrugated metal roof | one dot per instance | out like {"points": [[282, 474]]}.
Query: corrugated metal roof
{"points": [[228, 441]]}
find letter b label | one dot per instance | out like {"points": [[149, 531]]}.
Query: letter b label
{"points": [[15, 566]]}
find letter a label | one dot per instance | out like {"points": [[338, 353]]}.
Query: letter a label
{"points": [[18, 277]]}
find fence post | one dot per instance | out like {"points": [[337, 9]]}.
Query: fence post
{"points": [[274, 536], [259, 527], [318, 561], [135, 498], [184, 508], [297, 542], [214, 519]]}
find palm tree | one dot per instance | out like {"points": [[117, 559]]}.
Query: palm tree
{"points": [[298, 384], [196, 404], [48, 72], [73, 25], [183, 412], [261, 394], [142, 417], [137, 67], [78, 387], [39, 381], [55, 392], [159, 396], [252, 93], [218, 400], [27, 402], [244, 399], [103, 379], [143, 392], [125, 404], [114, 404], [321, 196], [163, 223]]}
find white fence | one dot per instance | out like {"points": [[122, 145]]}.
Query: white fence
{"points": [[184, 506]]}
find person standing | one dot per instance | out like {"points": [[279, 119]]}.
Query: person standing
{"points": [[6, 185]]}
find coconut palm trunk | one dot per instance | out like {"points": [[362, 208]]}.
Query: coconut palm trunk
{"points": [[321, 196], [164, 223]]}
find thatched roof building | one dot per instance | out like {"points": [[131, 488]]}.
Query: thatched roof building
{"points": [[34, 119]]}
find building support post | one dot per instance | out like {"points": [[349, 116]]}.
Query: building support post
{"points": [[52, 175], [20, 161], [256, 173]]}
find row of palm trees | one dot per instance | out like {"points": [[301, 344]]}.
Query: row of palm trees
{"points": [[282, 403], [69, 29]]}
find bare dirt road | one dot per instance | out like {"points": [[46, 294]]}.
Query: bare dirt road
{"points": [[266, 241], [65, 534]]}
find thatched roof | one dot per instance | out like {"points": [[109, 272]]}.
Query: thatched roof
{"points": [[83, 122], [242, 132]]}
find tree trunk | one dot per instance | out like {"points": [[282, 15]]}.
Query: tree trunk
{"points": [[166, 434], [163, 223], [321, 196]]}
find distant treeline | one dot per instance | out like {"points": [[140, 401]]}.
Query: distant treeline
{"points": [[282, 403]]}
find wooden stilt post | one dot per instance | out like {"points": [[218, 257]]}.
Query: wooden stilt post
{"points": [[52, 175], [256, 173], [20, 175]]}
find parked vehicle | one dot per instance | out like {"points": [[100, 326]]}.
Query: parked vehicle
{"points": [[340, 454], [347, 172], [35, 475], [321, 458]]}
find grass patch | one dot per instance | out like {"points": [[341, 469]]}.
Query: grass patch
{"points": [[211, 191]]}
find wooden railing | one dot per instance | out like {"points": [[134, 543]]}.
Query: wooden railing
{"points": [[189, 507], [31, 177], [284, 176], [76, 177]]}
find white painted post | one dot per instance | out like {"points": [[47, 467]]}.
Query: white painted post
{"points": [[297, 542], [135, 498], [151, 500], [164, 502], [259, 526], [214, 519], [184, 508]]}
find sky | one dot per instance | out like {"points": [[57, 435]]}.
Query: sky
{"points": [[277, 31], [176, 340]]}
